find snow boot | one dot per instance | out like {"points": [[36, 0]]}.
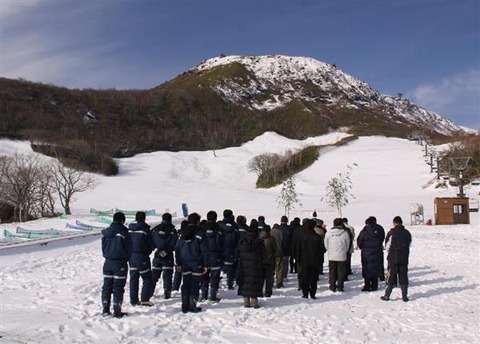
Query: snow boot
{"points": [[167, 294], [106, 312], [388, 291], [193, 305], [147, 303], [117, 312], [246, 302], [254, 302], [404, 292], [185, 304]]}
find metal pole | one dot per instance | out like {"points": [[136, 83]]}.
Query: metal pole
{"points": [[460, 185]]}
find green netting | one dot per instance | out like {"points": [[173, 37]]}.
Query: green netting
{"points": [[8, 234]]}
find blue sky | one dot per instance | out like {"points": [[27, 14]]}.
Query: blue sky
{"points": [[428, 50]]}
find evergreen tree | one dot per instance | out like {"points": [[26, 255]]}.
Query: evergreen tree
{"points": [[288, 197]]}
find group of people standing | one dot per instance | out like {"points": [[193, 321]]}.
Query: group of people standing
{"points": [[253, 256]]}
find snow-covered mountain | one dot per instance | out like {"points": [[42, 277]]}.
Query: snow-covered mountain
{"points": [[275, 80]]}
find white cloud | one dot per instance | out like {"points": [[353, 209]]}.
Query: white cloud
{"points": [[449, 90], [11, 7], [457, 96]]}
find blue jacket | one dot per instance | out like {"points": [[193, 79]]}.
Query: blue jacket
{"points": [[242, 230], [116, 242], [191, 249], [214, 238], [230, 239], [142, 240], [165, 238]]}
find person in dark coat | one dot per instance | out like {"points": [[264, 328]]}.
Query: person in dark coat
{"points": [[351, 232], [310, 250], [294, 226], [277, 235], [382, 230], [269, 264], [230, 241], [286, 244], [297, 235], [177, 275], [117, 250], [165, 238], [370, 242], [251, 255], [214, 238], [241, 225], [321, 230], [398, 251], [191, 258], [262, 225], [140, 266]]}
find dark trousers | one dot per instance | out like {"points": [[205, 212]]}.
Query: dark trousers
{"points": [[308, 282], [349, 263], [141, 268], [212, 279], [268, 277], [371, 284], [337, 274], [397, 270], [114, 280], [191, 277], [163, 267]]}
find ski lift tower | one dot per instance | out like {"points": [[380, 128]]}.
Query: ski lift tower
{"points": [[460, 164]]}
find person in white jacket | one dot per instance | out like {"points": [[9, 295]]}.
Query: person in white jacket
{"points": [[337, 243]]}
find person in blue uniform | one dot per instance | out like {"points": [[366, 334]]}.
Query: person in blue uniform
{"points": [[142, 242], [117, 250], [165, 238], [191, 258]]}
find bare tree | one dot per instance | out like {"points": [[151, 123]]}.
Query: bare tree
{"points": [[265, 165], [67, 182], [19, 178]]}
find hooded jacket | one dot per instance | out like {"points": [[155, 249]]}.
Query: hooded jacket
{"points": [[165, 239], [370, 241], [142, 240], [191, 249], [337, 243], [230, 239], [214, 238], [116, 242]]}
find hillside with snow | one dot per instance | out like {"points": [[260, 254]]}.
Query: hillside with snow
{"points": [[51, 293], [292, 78]]}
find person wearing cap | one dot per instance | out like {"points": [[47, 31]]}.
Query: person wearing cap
{"points": [[117, 250], [165, 238]]}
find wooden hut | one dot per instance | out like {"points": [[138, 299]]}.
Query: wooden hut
{"points": [[452, 210]]}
